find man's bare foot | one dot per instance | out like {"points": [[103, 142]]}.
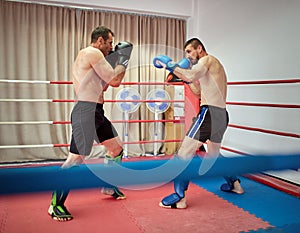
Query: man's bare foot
{"points": [[234, 187], [178, 205], [237, 188]]}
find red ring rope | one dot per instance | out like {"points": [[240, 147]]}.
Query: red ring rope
{"points": [[234, 151], [61, 82], [127, 83], [265, 131], [61, 122], [265, 82], [264, 105], [69, 122], [128, 121], [142, 101], [146, 121], [63, 101]]}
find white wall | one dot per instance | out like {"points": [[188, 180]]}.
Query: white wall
{"points": [[255, 40]]}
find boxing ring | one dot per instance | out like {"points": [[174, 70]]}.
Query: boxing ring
{"points": [[31, 180]]}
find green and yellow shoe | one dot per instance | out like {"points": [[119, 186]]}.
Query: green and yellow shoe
{"points": [[59, 213]]}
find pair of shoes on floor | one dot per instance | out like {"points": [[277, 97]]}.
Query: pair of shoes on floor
{"points": [[59, 213], [114, 192]]}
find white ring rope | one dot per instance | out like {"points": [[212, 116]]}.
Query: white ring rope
{"points": [[26, 146], [26, 122], [24, 81], [26, 100]]}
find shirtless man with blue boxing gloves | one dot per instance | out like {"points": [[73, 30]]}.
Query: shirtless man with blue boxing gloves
{"points": [[210, 124]]}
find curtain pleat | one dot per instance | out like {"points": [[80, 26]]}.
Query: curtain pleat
{"points": [[40, 42]]}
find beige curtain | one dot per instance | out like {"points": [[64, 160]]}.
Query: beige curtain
{"points": [[40, 42]]}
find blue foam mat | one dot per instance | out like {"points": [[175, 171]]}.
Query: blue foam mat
{"points": [[291, 228], [280, 209]]}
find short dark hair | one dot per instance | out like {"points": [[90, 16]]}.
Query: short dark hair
{"points": [[100, 31], [195, 42]]}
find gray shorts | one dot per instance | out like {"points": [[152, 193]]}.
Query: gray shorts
{"points": [[210, 124], [88, 125]]}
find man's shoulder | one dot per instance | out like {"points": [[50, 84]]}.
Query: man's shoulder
{"points": [[90, 49], [212, 60], [90, 53], [208, 60]]}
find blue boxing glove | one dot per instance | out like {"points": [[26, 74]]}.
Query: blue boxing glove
{"points": [[161, 60], [185, 63]]}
